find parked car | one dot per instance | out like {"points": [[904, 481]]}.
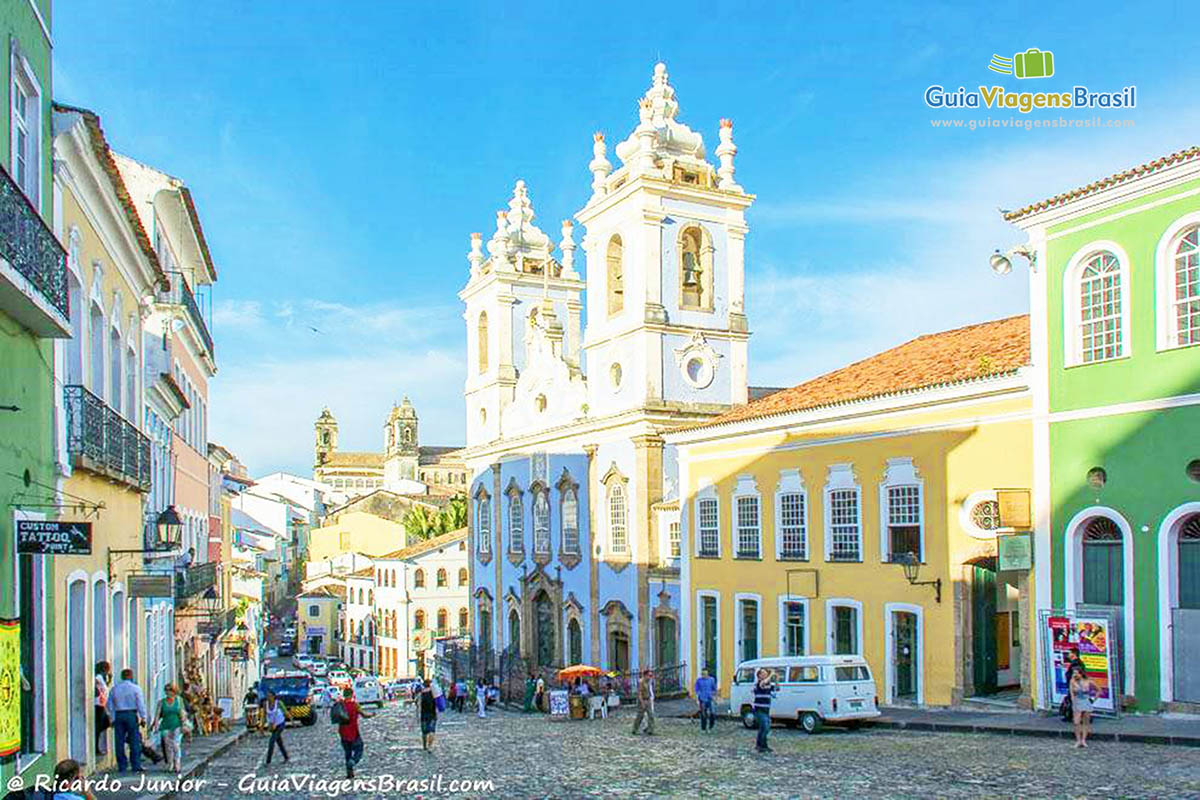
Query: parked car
{"points": [[319, 668], [319, 694], [286, 649], [813, 690], [303, 661], [340, 678], [367, 690]]}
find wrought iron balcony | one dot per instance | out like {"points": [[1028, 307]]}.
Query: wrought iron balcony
{"points": [[31, 251], [194, 580], [102, 441], [181, 294]]}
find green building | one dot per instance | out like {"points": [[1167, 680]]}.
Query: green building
{"points": [[33, 312], [1115, 302]]}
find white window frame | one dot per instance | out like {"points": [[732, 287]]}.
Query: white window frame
{"points": [[791, 481], [831, 629], [1072, 324], [674, 538], [570, 493], [781, 609], [1164, 264], [516, 520], [738, 633], [22, 73], [967, 521], [841, 478], [707, 492], [899, 472], [716, 596], [746, 489], [541, 494], [616, 487]]}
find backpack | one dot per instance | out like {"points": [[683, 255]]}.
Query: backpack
{"points": [[338, 715]]}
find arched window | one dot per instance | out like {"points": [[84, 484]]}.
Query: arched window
{"points": [[695, 268], [1103, 564], [1100, 334], [442, 621], [419, 579], [441, 578], [618, 535], [463, 622], [516, 522], [482, 341], [1189, 563], [570, 520], [419, 621], [574, 643], [483, 525], [1184, 292], [463, 579], [616, 275], [541, 520], [96, 354]]}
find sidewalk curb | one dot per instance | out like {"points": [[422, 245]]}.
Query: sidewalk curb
{"points": [[1044, 733]]}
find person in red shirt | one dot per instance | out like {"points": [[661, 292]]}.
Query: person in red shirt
{"points": [[352, 743]]}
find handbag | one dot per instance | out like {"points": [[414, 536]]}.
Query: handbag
{"points": [[338, 715], [440, 703]]}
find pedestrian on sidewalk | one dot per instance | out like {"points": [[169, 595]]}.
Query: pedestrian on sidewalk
{"points": [[1083, 691], [348, 732], [481, 693], [645, 698], [428, 713], [706, 689], [461, 696], [169, 721], [276, 722], [452, 695], [127, 705], [764, 690], [103, 722]]}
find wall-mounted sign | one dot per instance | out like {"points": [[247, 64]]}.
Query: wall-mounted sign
{"points": [[314, 630], [10, 687], [1015, 552], [145, 585], [54, 538], [239, 652], [1014, 509]]}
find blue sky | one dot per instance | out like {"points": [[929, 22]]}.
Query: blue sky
{"points": [[341, 154]]}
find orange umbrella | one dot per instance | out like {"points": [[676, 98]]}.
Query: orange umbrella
{"points": [[578, 671]]}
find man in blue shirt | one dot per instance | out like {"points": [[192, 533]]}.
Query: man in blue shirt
{"points": [[764, 689], [705, 689], [127, 705]]}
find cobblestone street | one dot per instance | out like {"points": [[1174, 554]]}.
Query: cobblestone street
{"points": [[529, 756]]}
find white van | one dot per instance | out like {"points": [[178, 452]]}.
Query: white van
{"points": [[813, 690]]}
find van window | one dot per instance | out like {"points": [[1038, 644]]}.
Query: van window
{"points": [[744, 675], [804, 674], [851, 674]]}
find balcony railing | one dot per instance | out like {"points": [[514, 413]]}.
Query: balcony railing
{"points": [[28, 244], [101, 440], [191, 581], [182, 294]]}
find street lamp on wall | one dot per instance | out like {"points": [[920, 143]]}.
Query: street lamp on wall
{"points": [[912, 571], [170, 528], [1001, 263]]}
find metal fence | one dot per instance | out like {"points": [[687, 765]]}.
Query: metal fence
{"points": [[98, 438], [182, 294], [31, 247], [194, 580]]}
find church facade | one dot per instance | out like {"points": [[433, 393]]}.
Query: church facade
{"points": [[404, 466], [574, 516]]}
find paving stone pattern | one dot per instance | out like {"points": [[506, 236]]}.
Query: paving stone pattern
{"points": [[531, 756]]}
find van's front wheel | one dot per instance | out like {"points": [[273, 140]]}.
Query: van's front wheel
{"points": [[748, 719], [810, 722]]}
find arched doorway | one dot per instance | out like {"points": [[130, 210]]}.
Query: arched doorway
{"points": [[618, 651], [574, 643], [77, 667], [543, 616], [100, 622], [1103, 564], [120, 647], [666, 648], [1098, 580], [514, 632], [1184, 598], [485, 630]]}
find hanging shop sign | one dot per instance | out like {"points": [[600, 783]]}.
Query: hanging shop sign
{"points": [[10, 687], [1015, 552], [54, 538], [1092, 636], [240, 652], [146, 585]]}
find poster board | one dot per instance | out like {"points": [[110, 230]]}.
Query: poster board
{"points": [[1092, 635], [10, 687], [226, 706], [560, 704]]}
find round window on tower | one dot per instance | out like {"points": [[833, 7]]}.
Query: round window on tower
{"points": [[614, 375], [698, 371]]}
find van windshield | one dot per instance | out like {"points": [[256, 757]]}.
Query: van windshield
{"points": [[851, 674]]}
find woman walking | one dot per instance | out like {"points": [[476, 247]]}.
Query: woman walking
{"points": [[276, 722], [169, 720], [428, 713], [103, 721], [1082, 693]]}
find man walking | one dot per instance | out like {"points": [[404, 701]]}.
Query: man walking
{"points": [[428, 713], [645, 698], [352, 743], [706, 689], [764, 689], [276, 722], [127, 705]]}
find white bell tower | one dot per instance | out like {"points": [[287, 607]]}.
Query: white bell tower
{"points": [[665, 245]]}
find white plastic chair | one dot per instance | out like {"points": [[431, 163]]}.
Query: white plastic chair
{"points": [[596, 705]]}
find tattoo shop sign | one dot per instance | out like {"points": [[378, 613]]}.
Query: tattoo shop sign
{"points": [[60, 538]]}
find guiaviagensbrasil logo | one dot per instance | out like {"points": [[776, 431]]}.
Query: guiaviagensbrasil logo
{"points": [[1033, 63], [1030, 63]]}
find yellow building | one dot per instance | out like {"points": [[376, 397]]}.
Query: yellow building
{"points": [[371, 525], [319, 613], [799, 507], [104, 453]]}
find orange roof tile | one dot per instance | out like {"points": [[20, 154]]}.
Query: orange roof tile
{"points": [[987, 349], [1104, 183]]}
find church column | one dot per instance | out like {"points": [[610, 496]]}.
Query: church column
{"points": [[736, 268], [650, 246], [648, 475], [499, 619], [592, 555]]}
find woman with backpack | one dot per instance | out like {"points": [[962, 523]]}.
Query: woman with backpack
{"points": [[427, 711]]}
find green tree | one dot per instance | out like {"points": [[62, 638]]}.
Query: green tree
{"points": [[420, 524]]}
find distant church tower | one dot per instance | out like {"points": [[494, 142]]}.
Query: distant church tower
{"points": [[326, 437], [401, 452], [666, 321]]}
